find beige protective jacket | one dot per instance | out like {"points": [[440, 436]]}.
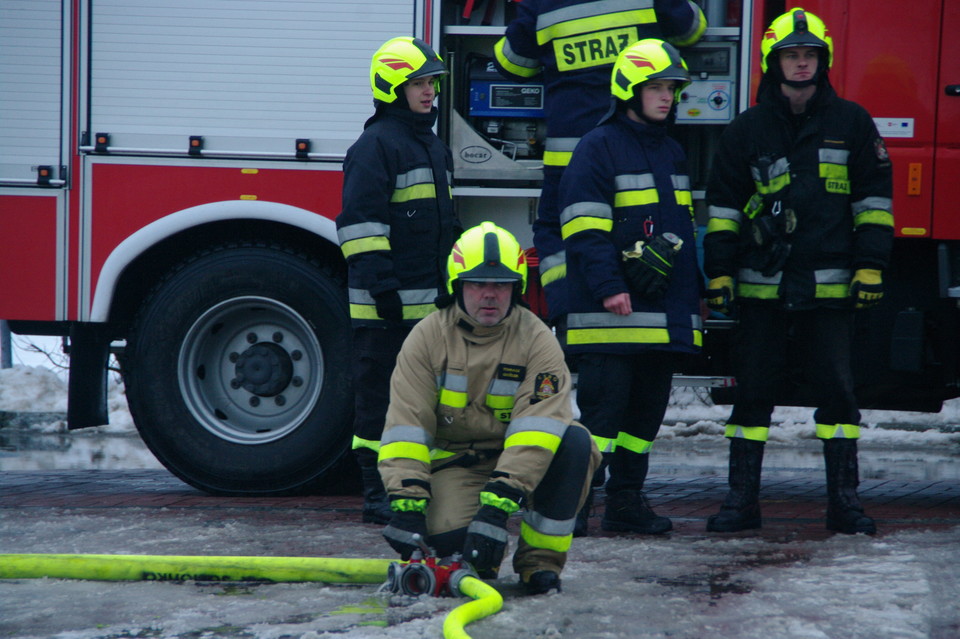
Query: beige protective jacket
{"points": [[460, 389]]}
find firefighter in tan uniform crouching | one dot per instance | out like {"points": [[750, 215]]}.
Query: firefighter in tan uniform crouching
{"points": [[480, 424]]}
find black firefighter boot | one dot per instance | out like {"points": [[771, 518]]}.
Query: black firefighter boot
{"points": [[844, 512], [628, 510], [741, 507], [376, 506]]}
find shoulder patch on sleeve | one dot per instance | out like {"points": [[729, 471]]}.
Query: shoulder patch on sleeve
{"points": [[545, 385]]}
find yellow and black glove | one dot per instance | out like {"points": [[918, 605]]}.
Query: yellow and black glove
{"points": [[720, 294], [647, 266], [866, 287]]}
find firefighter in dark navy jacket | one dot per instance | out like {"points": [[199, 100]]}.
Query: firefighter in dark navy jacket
{"points": [[800, 231], [396, 229], [634, 284], [573, 44]]}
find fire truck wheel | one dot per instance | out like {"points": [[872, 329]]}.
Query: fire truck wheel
{"points": [[236, 372]]}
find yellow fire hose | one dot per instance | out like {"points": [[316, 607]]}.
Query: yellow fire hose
{"points": [[183, 568], [486, 599]]}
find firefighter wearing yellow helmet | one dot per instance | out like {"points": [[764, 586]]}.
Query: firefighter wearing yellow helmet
{"points": [[480, 424], [800, 231], [633, 280], [395, 229]]}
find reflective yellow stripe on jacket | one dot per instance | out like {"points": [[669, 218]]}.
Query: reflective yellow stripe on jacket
{"points": [[363, 238], [635, 328]]}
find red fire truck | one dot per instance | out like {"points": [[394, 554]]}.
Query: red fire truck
{"points": [[170, 171]]}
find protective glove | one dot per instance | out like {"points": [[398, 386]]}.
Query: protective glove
{"points": [[389, 306], [486, 540], [648, 265], [404, 524], [720, 294], [866, 287]]}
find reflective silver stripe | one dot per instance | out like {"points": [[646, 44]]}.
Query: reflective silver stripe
{"points": [[833, 156], [416, 176], [550, 261], [634, 182], [503, 387], [589, 10], [872, 204], [561, 145], [547, 526], [684, 40], [401, 433], [364, 229], [724, 213], [680, 182], [408, 297], [539, 424], [832, 276], [586, 209], [750, 276], [778, 168], [487, 530], [455, 383], [514, 58], [604, 320]]}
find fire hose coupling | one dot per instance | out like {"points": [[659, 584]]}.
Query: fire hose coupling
{"points": [[427, 574]]}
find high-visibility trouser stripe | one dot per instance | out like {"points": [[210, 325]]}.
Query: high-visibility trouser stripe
{"points": [[514, 63], [838, 431], [753, 433], [633, 444], [875, 216], [535, 431], [695, 32], [556, 543], [585, 216], [359, 442], [553, 268], [550, 534], [590, 17], [605, 444], [417, 303], [415, 192]]}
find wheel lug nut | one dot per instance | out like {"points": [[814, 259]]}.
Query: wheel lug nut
{"points": [[296, 356], [278, 337], [234, 383], [280, 400], [234, 357], [297, 381], [254, 401], [252, 338]]}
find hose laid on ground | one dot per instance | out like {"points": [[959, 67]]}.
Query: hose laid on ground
{"points": [[486, 601], [194, 568]]}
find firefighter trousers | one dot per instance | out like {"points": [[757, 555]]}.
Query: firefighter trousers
{"points": [[549, 514], [622, 400], [375, 355], [821, 341]]}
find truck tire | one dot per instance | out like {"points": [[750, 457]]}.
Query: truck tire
{"points": [[237, 372]]}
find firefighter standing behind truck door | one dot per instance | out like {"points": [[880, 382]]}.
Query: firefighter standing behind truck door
{"points": [[574, 44], [395, 230], [631, 319], [481, 424], [799, 234]]}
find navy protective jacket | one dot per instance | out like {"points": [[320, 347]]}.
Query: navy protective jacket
{"points": [[829, 170], [397, 225], [627, 181]]}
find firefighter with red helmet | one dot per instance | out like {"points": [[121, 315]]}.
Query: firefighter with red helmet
{"points": [[799, 234], [395, 230], [573, 44], [481, 424], [633, 278]]}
